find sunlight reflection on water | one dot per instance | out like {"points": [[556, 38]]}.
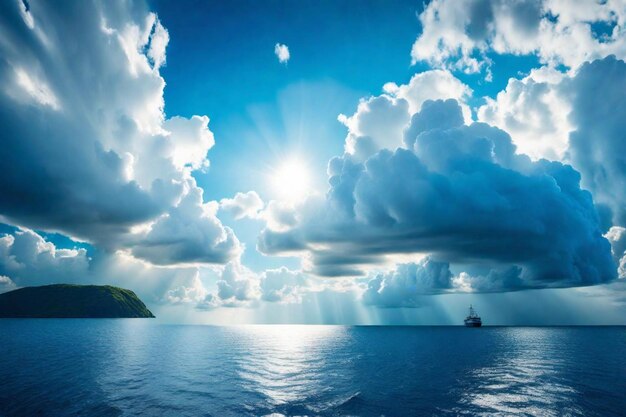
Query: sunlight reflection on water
{"points": [[285, 363], [524, 378], [133, 368]]}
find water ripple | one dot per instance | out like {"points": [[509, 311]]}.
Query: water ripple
{"points": [[134, 367]]}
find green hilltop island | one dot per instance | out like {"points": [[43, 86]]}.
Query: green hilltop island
{"points": [[72, 301]]}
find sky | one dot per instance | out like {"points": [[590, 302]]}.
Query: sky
{"points": [[334, 162]]}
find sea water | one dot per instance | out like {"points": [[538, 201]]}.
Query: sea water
{"points": [[132, 367]]}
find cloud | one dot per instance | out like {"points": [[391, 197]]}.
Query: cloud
{"points": [[576, 117], [28, 259], [380, 121], [403, 286], [617, 236], [192, 294], [189, 233], [597, 147], [87, 150], [238, 286], [460, 193], [534, 111], [282, 53], [460, 35], [279, 215], [432, 85], [283, 285], [500, 279], [6, 284], [243, 205]]}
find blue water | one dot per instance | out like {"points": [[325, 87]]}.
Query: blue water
{"points": [[140, 367]]}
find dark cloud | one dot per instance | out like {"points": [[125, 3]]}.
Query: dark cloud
{"points": [[463, 195]]}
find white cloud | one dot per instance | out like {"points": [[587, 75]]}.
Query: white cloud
{"points": [[97, 157], [27, 258], [617, 236], [380, 122], [282, 53], [459, 34], [534, 111], [432, 85], [6, 284], [194, 293], [279, 215], [38, 90], [189, 233], [404, 286], [283, 285], [596, 146], [238, 285], [243, 205], [159, 38]]}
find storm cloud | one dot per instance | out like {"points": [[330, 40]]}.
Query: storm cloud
{"points": [[461, 194]]}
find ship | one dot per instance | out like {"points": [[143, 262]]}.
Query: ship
{"points": [[473, 319]]}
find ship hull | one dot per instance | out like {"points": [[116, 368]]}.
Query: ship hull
{"points": [[473, 324]]}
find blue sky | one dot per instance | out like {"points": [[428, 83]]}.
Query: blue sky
{"points": [[406, 160]]}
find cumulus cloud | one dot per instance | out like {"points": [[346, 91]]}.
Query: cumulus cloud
{"points": [[403, 286], [460, 34], [534, 110], [460, 193], [617, 236], [493, 280], [87, 150], [282, 53], [6, 284], [597, 146], [243, 205], [432, 85], [189, 233], [380, 121], [283, 285], [279, 215], [28, 259], [238, 286], [576, 117], [193, 293]]}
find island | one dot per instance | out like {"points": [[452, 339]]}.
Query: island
{"points": [[72, 301]]}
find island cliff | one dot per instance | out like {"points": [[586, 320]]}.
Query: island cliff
{"points": [[72, 301]]}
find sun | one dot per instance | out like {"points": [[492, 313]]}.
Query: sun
{"points": [[291, 180]]}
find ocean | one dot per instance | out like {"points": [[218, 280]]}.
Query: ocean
{"points": [[139, 367]]}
